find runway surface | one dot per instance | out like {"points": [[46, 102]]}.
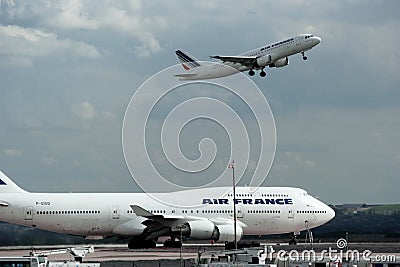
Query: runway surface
{"points": [[120, 253]]}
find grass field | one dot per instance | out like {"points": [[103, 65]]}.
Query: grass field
{"points": [[385, 209]]}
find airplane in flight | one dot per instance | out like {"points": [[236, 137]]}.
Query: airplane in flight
{"points": [[267, 210], [275, 55]]}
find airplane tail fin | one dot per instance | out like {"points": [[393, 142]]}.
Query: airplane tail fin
{"points": [[188, 61], [8, 186]]}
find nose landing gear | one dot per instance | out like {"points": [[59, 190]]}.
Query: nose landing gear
{"points": [[172, 243], [309, 235]]}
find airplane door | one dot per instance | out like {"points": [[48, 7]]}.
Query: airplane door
{"points": [[115, 212], [298, 41], [28, 213], [290, 212], [239, 211]]}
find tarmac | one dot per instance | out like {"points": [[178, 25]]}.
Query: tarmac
{"points": [[120, 255]]}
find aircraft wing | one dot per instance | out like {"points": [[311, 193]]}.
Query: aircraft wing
{"points": [[245, 61], [160, 224], [139, 211], [157, 224]]}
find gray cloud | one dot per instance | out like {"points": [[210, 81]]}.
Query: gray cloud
{"points": [[12, 152]]}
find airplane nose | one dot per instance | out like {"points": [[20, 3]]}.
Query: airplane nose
{"points": [[317, 39], [331, 213]]}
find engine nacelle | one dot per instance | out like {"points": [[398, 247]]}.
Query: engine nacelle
{"points": [[226, 233], [280, 63], [129, 228], [206, 230], [263, 61], [203, 230]]}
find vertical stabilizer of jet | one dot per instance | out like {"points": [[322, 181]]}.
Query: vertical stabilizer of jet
{"points": [[8, 186], [188, 61]]}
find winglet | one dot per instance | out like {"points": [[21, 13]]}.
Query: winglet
{"points": [[139, 211]]}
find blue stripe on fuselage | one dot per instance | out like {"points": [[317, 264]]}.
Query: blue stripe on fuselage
{"points": [[186, 58]]}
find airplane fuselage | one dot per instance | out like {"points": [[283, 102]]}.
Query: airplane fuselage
{"points": [[268, 210], [271, 55]]}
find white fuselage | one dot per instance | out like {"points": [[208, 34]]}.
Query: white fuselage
{"points": [[276, 51], [268, 210]]}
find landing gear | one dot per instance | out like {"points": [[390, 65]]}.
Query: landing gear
{"points": [[304, 56], [293, 239], [141, 243], [309, 235], [170, 243], [251, 73], [263, 73]]}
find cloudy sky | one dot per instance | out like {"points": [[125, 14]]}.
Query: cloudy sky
{"points": [[68, 70]]}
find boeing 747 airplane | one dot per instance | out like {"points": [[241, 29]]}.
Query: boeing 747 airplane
{"points": [[273, 55], [266, 210]]}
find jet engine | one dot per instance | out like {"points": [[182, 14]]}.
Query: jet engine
{"points": [[280, 63], [226, 233], [206, 230], [201, 230], [263, 61], [129, 228]]}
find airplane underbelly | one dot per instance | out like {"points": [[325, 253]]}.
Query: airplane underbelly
{"points": [[270, 225], [3, 212], [262, 226], [90, 226], [223, 71], [16, 216]]}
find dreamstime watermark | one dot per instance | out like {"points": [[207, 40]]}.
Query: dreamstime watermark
{"points": [[180, 135], [338, 254]]}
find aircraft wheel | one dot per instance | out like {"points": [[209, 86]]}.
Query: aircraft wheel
{"points": [[172, 244], [263, 74], [141, 244], [305, 58], [251, 73]]}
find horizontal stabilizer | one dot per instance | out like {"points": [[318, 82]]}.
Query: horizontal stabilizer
{"points": [[4, 204], [185, 75]]}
